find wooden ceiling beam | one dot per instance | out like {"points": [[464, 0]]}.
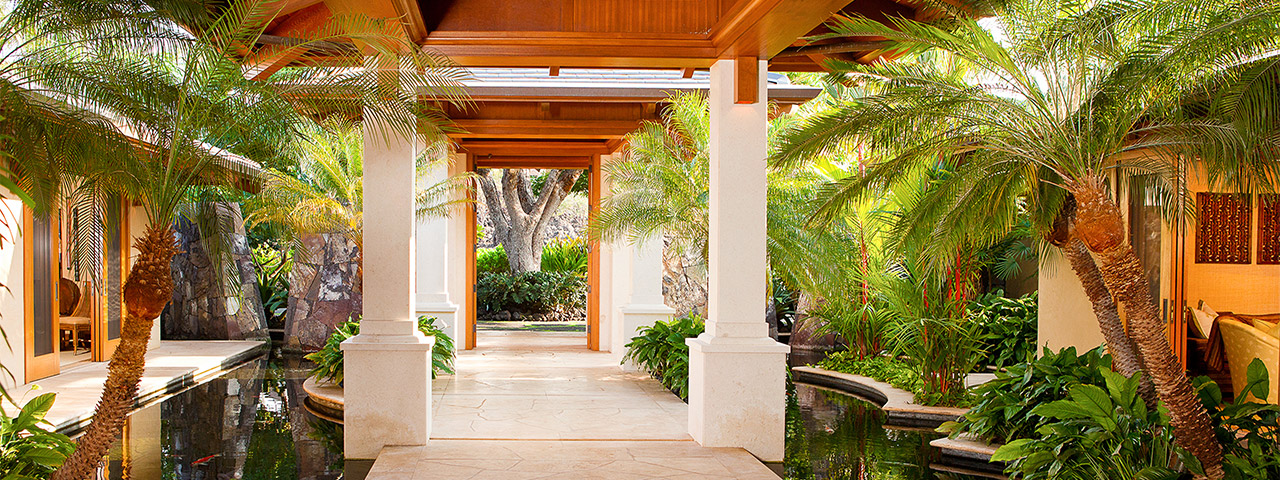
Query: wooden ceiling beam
{"points": [[537, 162], [533, 148], [762, 28], [746, 80]]}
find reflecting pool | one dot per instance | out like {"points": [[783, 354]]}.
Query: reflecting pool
{"points": [[835, 436], [251, 423], [247, 424]]}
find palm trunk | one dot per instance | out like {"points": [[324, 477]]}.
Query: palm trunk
{"points": [[1128, 360], [148, 289], [1100, 226]]}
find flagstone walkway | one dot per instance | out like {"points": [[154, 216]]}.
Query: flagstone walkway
{"points": [[541, 405]]}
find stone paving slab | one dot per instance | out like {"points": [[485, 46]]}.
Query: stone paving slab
{"points": [[172, 366], [554, 459], [541, 405]]}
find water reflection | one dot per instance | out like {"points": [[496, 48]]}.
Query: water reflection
{"points": [[835, 436], [247, 424]]}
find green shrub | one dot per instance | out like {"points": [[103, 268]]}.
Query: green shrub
{"points": [[329, 358], [531, 292], [1249, 431], [942, 351], [1005, 406], [27, 450], [863, 328], [492, 260], [273, 268], [1007, 327], [889, 370], [567, 255], [1095, 432], [661, 351]]}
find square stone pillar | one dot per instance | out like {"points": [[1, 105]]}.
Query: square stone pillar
{"points": [[387, 367], [645, 306], [737, 374], [432, 247]]}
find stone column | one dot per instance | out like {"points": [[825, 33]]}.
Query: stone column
{"points": [[737, 374], [645, 305], [432, 274], [388, 365]]}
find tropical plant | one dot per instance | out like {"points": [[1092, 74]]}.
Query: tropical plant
{"points": [[1248, 428], [893, 371], [1094, 430], [566, 255], [1005, 407], [864, 328], [1074, 92], [660, 191], [326, 194], [1007, 327], [71, 68], [272, 279], [531, 292], [329, 359], [492, 260], [27, 449], [661, 350]]}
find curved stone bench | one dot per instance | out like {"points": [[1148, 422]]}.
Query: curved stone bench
{"points": [[324, 400]]}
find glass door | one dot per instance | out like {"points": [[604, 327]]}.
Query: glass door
{"points": [[41, 296], [115, 262]]}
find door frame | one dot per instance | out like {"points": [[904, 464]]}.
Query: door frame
{"points": [[592, 166], [43, 366], [102, 346]]}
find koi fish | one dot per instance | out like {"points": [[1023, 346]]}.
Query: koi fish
{"points": [[205, 460]]}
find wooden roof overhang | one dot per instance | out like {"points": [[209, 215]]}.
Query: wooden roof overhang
{"points": [[537, 121], [554, 34]]}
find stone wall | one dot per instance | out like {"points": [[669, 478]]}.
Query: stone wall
{"points": [[204, 306], [324, 290]]}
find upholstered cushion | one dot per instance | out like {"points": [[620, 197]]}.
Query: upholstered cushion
{"points": [[1207, 309], [1203, 324], [1274, 330]]}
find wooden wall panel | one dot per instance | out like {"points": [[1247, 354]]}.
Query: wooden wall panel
{"points": [[1269, 229], [583, 16], [1222, 228]]}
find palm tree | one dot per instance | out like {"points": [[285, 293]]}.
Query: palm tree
{"points": [[660, 187], [326, 194], [1077, 92], [72, 65]]}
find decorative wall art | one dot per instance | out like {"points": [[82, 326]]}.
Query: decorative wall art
{"points": [[1269, 229], [1222, 228]]}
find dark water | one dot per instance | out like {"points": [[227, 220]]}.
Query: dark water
{"points": [[247, 424], [251, 424], [836, 436]]}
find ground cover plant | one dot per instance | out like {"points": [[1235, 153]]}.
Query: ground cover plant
{"points": [[660, 350], [329, 359], [27, 449], [1006, 327], [532, 293]]}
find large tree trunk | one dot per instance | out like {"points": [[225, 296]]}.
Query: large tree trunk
{"points": [[519, 219], [1125, 354], [1099, 225], [148, 290]]}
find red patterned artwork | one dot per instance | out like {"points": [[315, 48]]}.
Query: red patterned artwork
{"points": [[1222, 232], [1269, 229]]}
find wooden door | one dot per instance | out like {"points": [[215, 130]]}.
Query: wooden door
{"points": [[470, 213], [593, 257], [109, 315], [40, 258]]}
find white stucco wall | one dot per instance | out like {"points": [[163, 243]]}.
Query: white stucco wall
{"points": [[1066, 316], [12, 300], [137, 227]]}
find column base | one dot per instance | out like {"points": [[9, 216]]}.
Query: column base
{"points": [[737, 394], [446, 314], [632, 319], [387, 393]]}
